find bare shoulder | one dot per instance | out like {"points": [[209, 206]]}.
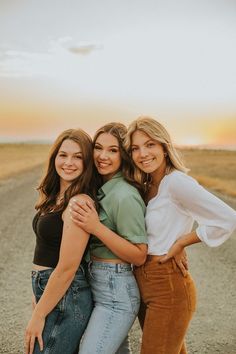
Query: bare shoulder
{"points": [[82, 198], [76, 198]]}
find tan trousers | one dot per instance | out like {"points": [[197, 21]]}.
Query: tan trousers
{"points": [[168, 303]]}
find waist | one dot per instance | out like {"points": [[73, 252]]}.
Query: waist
{"points": [[108, 260], [115, 267], [46, 272], [37, 267], [154, 258]]}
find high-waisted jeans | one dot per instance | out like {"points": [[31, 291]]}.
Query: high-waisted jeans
{"points": [[167, 306], [116, 298], [66, 323]]}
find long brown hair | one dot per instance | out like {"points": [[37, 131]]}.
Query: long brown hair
{"points": [[119, 131], [50, 184]]}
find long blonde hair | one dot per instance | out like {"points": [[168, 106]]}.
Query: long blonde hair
{"points": [[157, 132]]}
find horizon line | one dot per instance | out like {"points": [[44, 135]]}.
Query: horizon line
{"points": [[209, 146]]}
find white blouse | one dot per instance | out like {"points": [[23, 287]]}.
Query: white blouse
{"points": [[179, 202]]}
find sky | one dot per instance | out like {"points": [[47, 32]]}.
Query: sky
{"points": [[75, 63]]}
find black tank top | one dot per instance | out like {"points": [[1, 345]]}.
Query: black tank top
{"points": [[48, 229]]}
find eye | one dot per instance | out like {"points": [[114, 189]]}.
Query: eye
{"points": [[149, 145], [97, 147], [62, 154], [79, 157], [114, 150], [134, 148]]}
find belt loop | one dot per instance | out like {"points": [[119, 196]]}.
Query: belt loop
{"points": [[89, 267], [82, 269], [117, 268]]}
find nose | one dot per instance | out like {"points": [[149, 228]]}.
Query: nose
{"points": [[143, 151], [103, 155], [68, 161]]}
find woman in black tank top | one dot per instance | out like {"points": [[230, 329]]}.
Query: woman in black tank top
{"points": [[63, 301]]}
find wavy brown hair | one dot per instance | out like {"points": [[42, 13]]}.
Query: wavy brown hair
{"points": [[50, 184], [119, 131]]}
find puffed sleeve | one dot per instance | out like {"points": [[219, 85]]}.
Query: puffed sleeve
{"points": [[130, 218], [216, 220]]}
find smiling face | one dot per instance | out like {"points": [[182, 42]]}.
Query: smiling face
{"points": [[69, 162], [106, 155], [147, 154]]}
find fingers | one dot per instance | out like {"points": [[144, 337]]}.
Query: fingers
{"points": [[185, 263], [77, 214], [40, 340], [91, 205], [31, 347], [164, 259], [78, 204], [182, 268], [30, 342]]}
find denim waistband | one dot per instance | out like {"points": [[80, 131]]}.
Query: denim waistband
{"points": [[115, 267], [45, 273]]}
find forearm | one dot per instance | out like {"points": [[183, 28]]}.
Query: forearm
{"points": [[57, 286], [189, 239], [123, 249]]}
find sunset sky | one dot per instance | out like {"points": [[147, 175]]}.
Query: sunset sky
{"points": [[77, 63]]}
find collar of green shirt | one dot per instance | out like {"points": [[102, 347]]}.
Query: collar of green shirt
{"points": [[109, 185]]}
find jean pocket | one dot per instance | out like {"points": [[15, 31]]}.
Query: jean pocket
{"points": [[39, 285], [190, 292]]}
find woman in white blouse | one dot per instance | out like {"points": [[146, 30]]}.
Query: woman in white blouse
{"points": [[174, 201]]}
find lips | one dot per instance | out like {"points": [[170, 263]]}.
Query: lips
{"points": [[146, 162], [103, 164], [68, 171]]}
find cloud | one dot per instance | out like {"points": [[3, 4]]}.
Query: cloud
{"points": [[81, 48]]}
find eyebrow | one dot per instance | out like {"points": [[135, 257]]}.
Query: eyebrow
{"points": [[147, 141], [116, 146], [65, 152]]}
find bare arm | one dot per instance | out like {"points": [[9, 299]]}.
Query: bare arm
{"points": [[74, 241], [180, 244], [85, 216]]}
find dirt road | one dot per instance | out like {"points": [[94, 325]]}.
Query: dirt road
{"points": [[213, 329]]}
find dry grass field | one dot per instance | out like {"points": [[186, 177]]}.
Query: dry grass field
{"points": [[17, 158], [215, 169]]}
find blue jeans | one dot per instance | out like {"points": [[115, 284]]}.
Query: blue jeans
{"points": [[66, 323], [116, 298]]}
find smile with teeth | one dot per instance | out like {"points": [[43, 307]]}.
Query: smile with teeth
{"points": [[68, 170], [147, 162], [103, 164]]}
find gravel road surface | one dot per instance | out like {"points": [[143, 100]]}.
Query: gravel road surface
{"points": [[213, 328]]}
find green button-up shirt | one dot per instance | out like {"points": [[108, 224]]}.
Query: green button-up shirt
{"points": [[122, 210]]}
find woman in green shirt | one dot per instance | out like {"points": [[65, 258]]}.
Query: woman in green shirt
{"points": [[119, 240]]}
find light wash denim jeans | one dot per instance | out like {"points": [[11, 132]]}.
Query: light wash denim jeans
{"points": [[66, 323], [116, 299]]}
